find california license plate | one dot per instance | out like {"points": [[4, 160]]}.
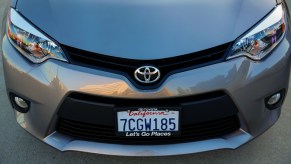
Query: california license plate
{"points": [[148, 122]]}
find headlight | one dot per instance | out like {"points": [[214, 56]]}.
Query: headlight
{"points": [[263, 38], [30, 42]]}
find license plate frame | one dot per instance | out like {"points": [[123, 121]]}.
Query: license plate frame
{"points": [[172, 111]]}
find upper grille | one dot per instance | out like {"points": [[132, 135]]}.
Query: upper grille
{"points": [[106, 134], [167, 66]]}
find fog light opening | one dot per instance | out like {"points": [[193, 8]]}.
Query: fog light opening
{"points": [[274, 99], [20, 102]]}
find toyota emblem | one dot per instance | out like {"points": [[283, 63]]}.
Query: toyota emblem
{"points": [[147, 74]]}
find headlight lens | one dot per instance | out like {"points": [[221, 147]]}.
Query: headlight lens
{"points": [[31, 43], [257, 43]]}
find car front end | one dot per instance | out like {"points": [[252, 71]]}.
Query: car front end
{"points": [[77, 77]]}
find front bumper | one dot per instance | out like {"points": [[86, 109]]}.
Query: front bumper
{"points": [[47, 85]]}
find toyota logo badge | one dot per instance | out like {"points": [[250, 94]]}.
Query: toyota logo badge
{"points": [[147, 74]]}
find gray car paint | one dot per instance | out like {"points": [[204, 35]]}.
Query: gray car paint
{"points": [[144, 29], [239, 78]]}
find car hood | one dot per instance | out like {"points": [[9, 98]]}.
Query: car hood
{"points": [[144, 29]]}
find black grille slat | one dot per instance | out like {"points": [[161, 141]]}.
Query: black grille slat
{"points": [[201, 131], [70, 128], [207, 132], [113, 132], [215, 56], [84, 132], [81, 56], [167, 66], [210, 123], [209, 128], [84, 125]]}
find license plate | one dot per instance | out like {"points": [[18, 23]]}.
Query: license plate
{"points": [[148, 122]]}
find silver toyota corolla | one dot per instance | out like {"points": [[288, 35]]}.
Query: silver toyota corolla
{"points": [[146, 77]]}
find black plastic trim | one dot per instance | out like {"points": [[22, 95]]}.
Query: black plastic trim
{"points": [[167, 66], [100, 110]]}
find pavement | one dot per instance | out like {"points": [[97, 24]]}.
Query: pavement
{"points": [[17, 146]]}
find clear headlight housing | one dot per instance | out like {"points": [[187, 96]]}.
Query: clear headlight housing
{"points": [[30, 42], [263, 38]]}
